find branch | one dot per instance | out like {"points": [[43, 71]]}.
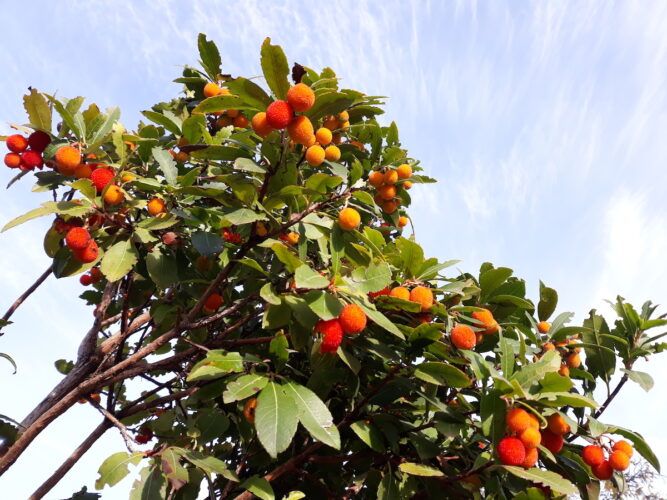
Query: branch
{"points": [[27, 294], [69, 462], [129, 440], [611, 396]]}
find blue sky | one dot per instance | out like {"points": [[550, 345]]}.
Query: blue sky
{"points": [[544, 123]]}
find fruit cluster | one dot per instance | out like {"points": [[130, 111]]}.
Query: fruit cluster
{"points": [[568, 349], [385, 181], [84, 248], [26, 153], [224, 118], [351, 321], [603, 467]]}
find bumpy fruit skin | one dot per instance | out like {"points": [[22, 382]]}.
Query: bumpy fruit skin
{"points": [[212, 89], [249, 410], [531, 458], [156, 206], [517, 420], [101, 178], [86, 279], [301, 97], [573, 360], [301, 130], [623, 446], [511, 451], [315, 155], [213, 302], [463, 337], [619, 460], [323, 136], [114, 195], [352, 319], [17, 143], [38, 141], [531, 438], [552, 442], [592, 455], [349, 219], [543, 327], [279, 114], [83, 171], [88, 254], [332, 153], [240, 122], [31, 160], [423, 296], [77, 238], [13, 160], [557, 424], [376, 178], [603, 471], [404, 171], [96, 274], [332, 332], [400, 292], [489, 323], [534, 422], [387, 192], [391, 177], [564, 371], [389, 207], [67, 159], [403, 221], [290, 238]]}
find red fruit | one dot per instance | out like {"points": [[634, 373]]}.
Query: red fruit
{"points": [[17, 143], [603, 471], [88, 254], [61, 226], [38, 141], [31, 160], [331, 326], [77, 238], [86, 279], [144, 435], [352, 319], [592, 455], [96, 274], [552, 442], [213, 302], [385, 291], [170, 238], [101, 178], [330, 342], [279, 114], [511, 451], [13, 160], [231, 237]]}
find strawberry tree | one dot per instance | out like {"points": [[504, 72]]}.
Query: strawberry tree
{"points": [[263, 326]]}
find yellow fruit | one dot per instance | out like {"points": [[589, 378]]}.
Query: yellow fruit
{"points": [[330, 122], [345, 125], [387, 192], [543, 327], [557, 424], [517, 420], [261, 229], [404, 171], [400, 292], [530, 437], [156, 206], [403, 221], [113, 195], [423, 296], [323, 136], [573, 360], [212, 89], [301, 131], [127, 177], [407, 184], [349, 219], [315, 155], [376, 178], [623, 446], [332, 153], [343, 116], [260, 125], [390, 177]]}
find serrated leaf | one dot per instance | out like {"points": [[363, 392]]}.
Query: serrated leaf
{"points": [[244, 387], [119, 260], [275, 68], [167, 165], [115, 468], [150, 485], [162, 268], [216, 364], [243, 216], [286, 256], [644, 380], [381, 320], [420, 470], [251, 93], [38, 110], [372, 278], [163, 120], [210, 56], [99, 133], [314, 414], [276, 419], [305, 277], [438, 373]]}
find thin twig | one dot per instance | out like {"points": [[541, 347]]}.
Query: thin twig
{"points": [[27, 293]]}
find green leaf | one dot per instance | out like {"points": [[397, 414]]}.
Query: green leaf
{"points": [[211, 424], [250, 93], [209, 464], [194, 127], [371, 278], [247, 165], [99, 133], [381, 320], [324, 304], [207, 243], [216, 364], [305, 277], [218, 103], [10, 359], [64, 111], [172, 468], [156, 223], [544, 477], [163, 120], [548, 302], [210, 56], [438, 373], [115, 468], [492, 279], [420, 470], [51, 207], [286, 256], [644, 380], [243, 216], [244, 387], [222, 153], [314, 415], [369, 434], [276, 419], [150, 485], [85, 187], [162, 268], [559, 399], [275, 68], [167, 165], [388, 488], [38, 110], [534, 372], [411, 254], [119, 260], [259, 487]]}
